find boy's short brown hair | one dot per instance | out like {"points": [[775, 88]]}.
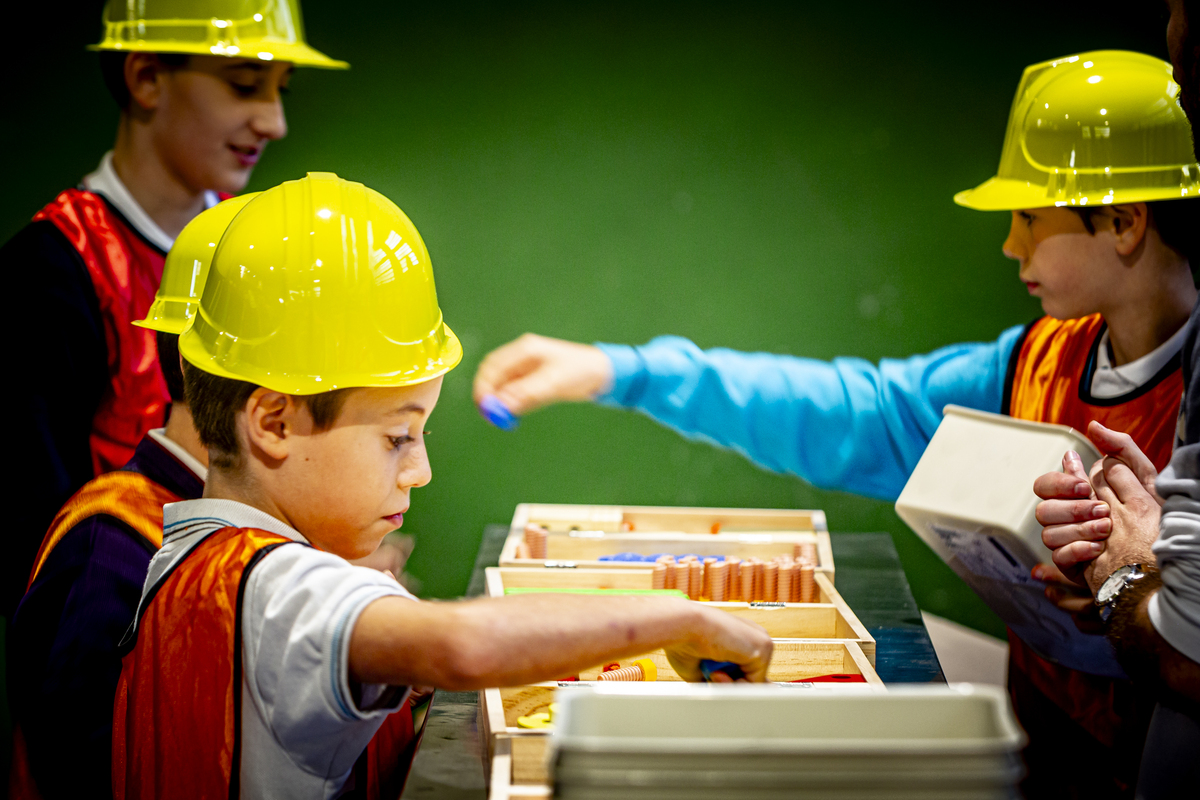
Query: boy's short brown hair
{"points": [[112, 70], [215, 402], [1177, 223]]}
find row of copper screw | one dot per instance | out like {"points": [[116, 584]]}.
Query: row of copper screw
{"points": [[784, 579]]}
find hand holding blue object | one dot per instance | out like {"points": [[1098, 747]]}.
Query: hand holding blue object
{"points": [[727, 669], [497, 413]]}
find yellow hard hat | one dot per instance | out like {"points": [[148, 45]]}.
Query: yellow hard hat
{"points": [[321, 284], [186, 267], [1090, 129], [270, 30]]}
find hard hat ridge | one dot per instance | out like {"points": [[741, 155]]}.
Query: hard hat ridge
{"points": [[320, 284]]}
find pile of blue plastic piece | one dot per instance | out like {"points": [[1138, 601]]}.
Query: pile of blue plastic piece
{"points": [[638, 557]]}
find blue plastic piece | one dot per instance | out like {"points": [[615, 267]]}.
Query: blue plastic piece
{"points": [[497, 413], [708, 668]]}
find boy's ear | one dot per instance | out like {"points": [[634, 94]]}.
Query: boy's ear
{"points": [[270, 422], [1129, 226], [143, 78]]}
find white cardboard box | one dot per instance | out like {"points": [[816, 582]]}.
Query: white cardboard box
{"points": [[971, 500]]}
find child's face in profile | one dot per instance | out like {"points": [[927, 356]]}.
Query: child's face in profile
{"points": [[348, 486], [1073, 272]]}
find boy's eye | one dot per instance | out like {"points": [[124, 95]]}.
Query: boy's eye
{"points": [[245, 90], [399, 441], [1026, 216]]}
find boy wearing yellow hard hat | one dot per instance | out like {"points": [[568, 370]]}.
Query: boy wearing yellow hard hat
{"points": [[64, 656], [198, 83], [262, 663], [1099, 175]]}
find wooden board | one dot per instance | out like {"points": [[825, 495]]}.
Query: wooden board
{"points": [[580, 534], [518, 755], [831, 618]]}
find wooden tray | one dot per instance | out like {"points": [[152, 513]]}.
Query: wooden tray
{"points": [[831, 618], [580, 534], [517, 755]]}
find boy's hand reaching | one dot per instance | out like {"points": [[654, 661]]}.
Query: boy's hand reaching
{"points": [[535, 371], [730, 638]]}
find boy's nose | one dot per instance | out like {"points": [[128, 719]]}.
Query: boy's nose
{"points": [[418, 473], [1013, 247], [269, 122]]}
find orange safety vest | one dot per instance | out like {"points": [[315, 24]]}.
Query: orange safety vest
{"points": [[177, 719], [125, 270], [129, 497], [1050, 380]]}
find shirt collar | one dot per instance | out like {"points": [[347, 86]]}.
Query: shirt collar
{"points": [[1142, 370], [104, 181], [174, 448], [223, 513]]}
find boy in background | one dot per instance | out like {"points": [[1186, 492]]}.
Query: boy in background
{"points": [[88, 575], [262, 663], [1098, 172], [200, 98]]}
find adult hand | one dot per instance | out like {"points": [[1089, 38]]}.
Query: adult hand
{"points": [[1135, 518], [1075, 522], [1121, 447], [725, 637], [535, 371]]}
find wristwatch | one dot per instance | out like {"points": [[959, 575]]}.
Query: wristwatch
{"points": [[1111, 589]]}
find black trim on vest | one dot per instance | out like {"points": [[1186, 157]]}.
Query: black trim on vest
{"points": [[1010, 373], [1089, 371], [116, 212], [235, 770]]}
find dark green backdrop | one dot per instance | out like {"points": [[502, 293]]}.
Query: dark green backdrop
{"points": [[761, 176]]}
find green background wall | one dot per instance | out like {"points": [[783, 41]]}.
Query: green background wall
{"points": [[761, 176]]}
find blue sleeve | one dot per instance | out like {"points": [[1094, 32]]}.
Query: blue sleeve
{"points": [[846, 424]]}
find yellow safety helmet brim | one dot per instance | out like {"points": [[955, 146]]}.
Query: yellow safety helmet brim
{"points": [[1000, 194], [167, 316], [448, 353], [299, 54], [1095, 128]]}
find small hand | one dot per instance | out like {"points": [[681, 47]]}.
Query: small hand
{"points": [[535, 371], [1076, 523], [725, 638]]}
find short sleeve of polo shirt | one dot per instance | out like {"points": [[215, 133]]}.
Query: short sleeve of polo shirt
{"points": [[299, 609]]}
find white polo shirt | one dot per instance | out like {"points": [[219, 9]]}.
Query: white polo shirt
{"points": [[302, 726]]}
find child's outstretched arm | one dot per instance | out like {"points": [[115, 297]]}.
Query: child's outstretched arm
{"points": [[511, 641]]}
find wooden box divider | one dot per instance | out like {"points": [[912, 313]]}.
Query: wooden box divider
{"points": [[580, 534], [831, 618]]}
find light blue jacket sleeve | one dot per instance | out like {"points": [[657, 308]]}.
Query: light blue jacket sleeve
{"points": [[846, 424]]}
